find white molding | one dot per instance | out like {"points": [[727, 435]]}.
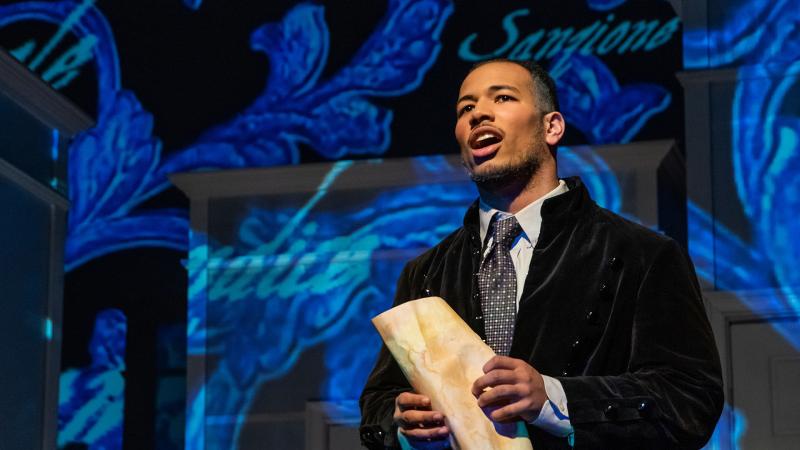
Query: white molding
{"points": [[32, 186], [727, 308], [393, 172], [321, 416], [26, 89]]}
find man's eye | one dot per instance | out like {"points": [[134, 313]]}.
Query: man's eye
{"points": [[503, 98], [465, 109]]}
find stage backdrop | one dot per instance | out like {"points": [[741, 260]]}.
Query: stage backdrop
{"points": [[180, 86]]}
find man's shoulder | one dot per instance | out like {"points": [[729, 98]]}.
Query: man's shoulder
{"points": [[634, 234], [450, 244]]}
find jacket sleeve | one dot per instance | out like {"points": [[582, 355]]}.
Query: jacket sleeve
{"points": [[385, 382], [671, 394]]}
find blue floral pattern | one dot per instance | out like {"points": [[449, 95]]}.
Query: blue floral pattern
{"points": [[92, 398], [118, 165], [603, 110]]}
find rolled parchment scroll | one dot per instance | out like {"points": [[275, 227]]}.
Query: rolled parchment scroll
{"points": [[441, 357]]}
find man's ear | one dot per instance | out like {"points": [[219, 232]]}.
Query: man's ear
{"points": [[554, 128]]}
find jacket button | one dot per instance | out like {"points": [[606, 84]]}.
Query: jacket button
{"points": [[478, 317], [576, 343], [591, 317], [610, 411], [644, 408], [614, 262], [605, 291], [428, 292]]}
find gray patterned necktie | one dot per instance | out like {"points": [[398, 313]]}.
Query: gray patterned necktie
{"points": [[497, 284]]}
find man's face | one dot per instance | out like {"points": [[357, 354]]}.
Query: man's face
{"points": [[500, 128]]}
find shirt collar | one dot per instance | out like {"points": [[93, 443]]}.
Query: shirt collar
{"points": [[529, 217]]}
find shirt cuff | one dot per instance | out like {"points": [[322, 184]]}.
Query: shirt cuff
{"points": [[554, 415]]}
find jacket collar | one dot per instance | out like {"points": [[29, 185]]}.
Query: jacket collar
{"points": [[557, 212]]}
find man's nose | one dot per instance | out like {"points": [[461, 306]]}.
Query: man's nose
{"points": [[479, 115]]}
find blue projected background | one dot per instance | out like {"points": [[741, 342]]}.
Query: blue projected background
{"points": [[258, 302], [92, 398], [762, 37]]}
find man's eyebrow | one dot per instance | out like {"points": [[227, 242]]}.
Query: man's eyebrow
{"points": [[467, 97], [491, 89], [501, 87]]}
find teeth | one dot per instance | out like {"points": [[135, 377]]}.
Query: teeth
{"points": [[484, 136]]}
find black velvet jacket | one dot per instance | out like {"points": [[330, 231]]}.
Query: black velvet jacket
{"points": [[609, 308]]}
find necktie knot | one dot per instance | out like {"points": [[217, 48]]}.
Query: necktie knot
{"points": [[505, 230]]}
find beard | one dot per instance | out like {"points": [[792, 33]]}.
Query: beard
{"points": [[510, 174]]}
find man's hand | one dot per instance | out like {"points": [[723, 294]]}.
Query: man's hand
{"points": [[517, 389], [413, 415]]}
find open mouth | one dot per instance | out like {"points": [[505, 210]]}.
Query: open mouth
{"points": [[484, 141], [484, 138]]}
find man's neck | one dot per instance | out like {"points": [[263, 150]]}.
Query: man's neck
{"points": [[515, 196]]}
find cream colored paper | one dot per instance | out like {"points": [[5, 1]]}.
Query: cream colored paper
{"points": [[441, 357]]}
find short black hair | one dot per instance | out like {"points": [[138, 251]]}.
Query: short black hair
{"points": [[544, 88]]}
